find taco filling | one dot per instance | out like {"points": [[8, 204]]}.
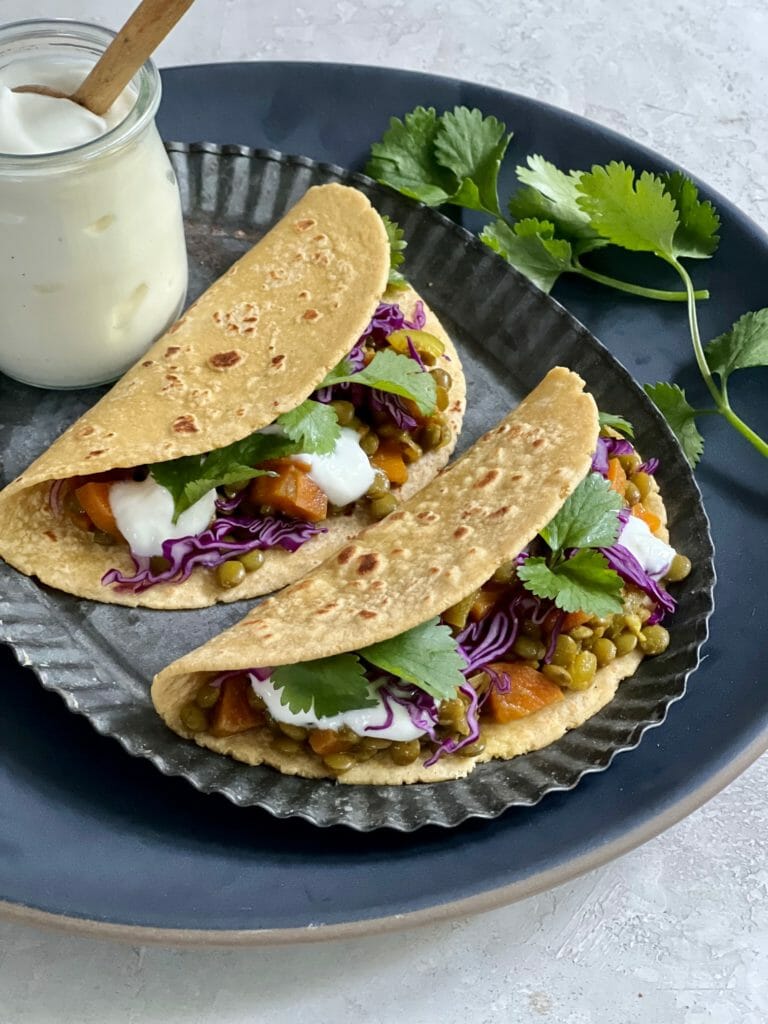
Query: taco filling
{"points": [[351, 443], [580, 605]]}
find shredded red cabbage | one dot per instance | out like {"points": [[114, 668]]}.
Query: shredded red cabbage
{"points": [[394, 407], [452, 746], [628, 567], [609, 448], [210, 548], [54, 496], [649, 467]]}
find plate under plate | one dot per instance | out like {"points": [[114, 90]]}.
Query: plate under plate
{"points": [[100, 658]]}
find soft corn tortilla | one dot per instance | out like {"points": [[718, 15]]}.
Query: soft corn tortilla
{"points": [[256, 344], [442, 545]]}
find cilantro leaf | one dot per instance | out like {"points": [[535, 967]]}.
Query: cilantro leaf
{"points": [[313, 426], [329, 685], [551, 195], [637, 214], [472, 147], [192, 476], [671, 402], [405, 159], [531, 248], [389, 371], [587, 519], [583, 583], [426, 656], [608, 419], [397, 246], [696, 235], [745, 345]]}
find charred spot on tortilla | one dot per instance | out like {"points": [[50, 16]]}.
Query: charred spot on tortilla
{"points": [[226, 360], [185, 425]]}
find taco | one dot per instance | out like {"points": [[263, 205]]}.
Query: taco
{"points": [[492, 612], [298, 400]]}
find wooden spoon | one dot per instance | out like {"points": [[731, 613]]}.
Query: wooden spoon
{"points": [[137, 40]]}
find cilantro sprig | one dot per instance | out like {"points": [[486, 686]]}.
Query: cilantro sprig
{"points": [[581, 579], [426, 656], [389, 371], [556, 219]]}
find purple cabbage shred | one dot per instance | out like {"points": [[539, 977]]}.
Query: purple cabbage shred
{"points": [[609, 448]]}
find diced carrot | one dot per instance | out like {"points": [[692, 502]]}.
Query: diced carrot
{"points": [[291, 491], [529, 691], [651, 520], [616, 476], [232, 713], [94, 500], [572, 620], [482, 604], [388, 458], [326, 741]]}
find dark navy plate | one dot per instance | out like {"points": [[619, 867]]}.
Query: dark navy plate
{"points": [[90, 836]]}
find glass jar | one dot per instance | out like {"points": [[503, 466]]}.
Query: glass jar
{"points": [[93, 265]]}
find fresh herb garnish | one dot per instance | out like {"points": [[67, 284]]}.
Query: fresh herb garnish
{"points": [[580, 581], [330, 685], [426, 656], [671, 402], [192, 476], [391, 372], [313, 426], [397, 246], [557, 218], [454, 158], [609, 419]]}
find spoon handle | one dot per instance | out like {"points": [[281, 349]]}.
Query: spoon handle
{"points": [[139, 37]]}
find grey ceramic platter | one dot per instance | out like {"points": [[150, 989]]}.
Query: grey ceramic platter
{"points": [[101, 658]]}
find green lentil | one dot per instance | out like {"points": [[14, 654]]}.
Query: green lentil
{"points": [[285, 745], [442, 398], [654, 640], [472, 749], [294, 732], [528, 648], [104, 540], [207, 696], [381, 507], [506, 573], [345, 412], [339, 762], [193, 718], [581, 633], [441, 377], [625, 642], [431, 436], [405, 753], [230, 574], [679, 568], [566, 650], [631, 493], [642, 482], [252, 560], [380, 485], [583, 670], [557, 674], [604, 651], [630, 463], [370, 443]]}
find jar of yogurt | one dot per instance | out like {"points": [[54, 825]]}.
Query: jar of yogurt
{"points": [[93, 265]]}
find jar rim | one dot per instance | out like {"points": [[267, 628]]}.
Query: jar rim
{"points": [[146, 83]]}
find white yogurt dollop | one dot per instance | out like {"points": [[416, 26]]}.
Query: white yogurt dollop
{"points": [[360, 721], [652, 553], [344, 474], [143, 511]]}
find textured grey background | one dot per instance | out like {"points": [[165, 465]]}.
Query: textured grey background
{"points": [[674, 933]]}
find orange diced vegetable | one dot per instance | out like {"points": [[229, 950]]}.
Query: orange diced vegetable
{"points": [[572, 620], [616, 476], [389, 459], [94, 500], [529, 691], [651, 520], [232, 713], [326, 741], [291, 491]]}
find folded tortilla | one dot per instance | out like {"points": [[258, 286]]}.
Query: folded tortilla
{"points": [[253, 346], [439, 547]]}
